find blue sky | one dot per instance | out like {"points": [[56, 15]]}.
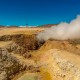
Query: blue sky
{"points": [[38, 12]]}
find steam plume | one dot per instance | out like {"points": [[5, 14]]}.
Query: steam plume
{"points": [[63, 31]]}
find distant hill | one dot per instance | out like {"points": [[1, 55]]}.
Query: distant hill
{"points": [[12, 26], [48, 25], [1, 26]]}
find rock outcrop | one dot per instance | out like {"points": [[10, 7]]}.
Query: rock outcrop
{"points": [[60, 65], [9, 65], [12, 55]]}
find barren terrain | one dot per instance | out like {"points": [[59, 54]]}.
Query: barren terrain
{"points": [[23, 57]]}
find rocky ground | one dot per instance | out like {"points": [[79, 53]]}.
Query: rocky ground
{"points": [[23, 57]]}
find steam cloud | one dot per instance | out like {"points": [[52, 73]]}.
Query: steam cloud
{"points": [[63, 31]]}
